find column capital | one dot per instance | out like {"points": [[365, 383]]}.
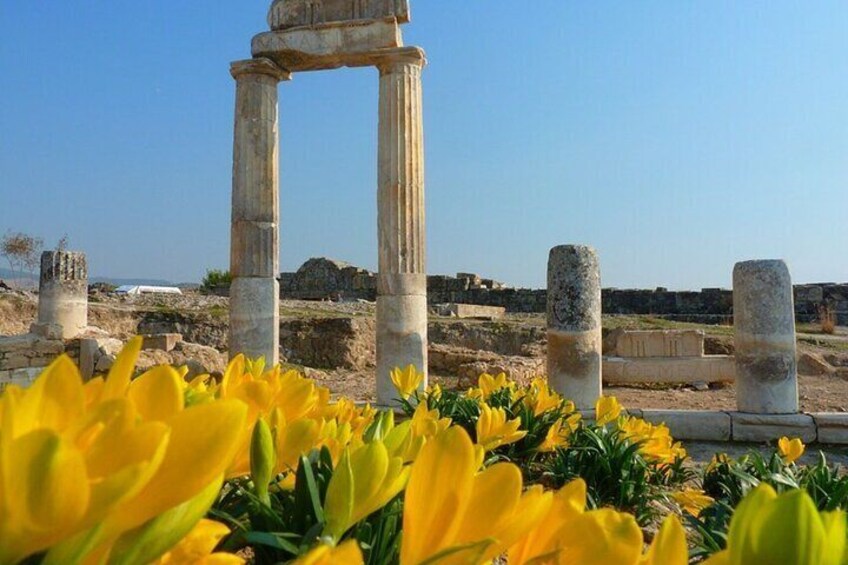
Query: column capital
{"points": [[390, 61], [258, 66]]}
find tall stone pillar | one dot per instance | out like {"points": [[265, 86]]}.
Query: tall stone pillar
{"points": [[254, 244], [63, 293], [402, 278], [764, 338], [574, 324]]}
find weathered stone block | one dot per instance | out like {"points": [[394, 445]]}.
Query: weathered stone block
{"points": [[88, 349], [680, 370], [659, 343], [701, 425], [46, 331], [164, 341], [475, 311], [770, 427], [15, 361], [832, 427], [285, 14], [327, 47]]}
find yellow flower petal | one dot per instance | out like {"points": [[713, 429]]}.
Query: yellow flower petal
{"points": [[431, 508], [203, 439], [55, 399], [669, 546], [121, 372], [157, 394], [46, 494], [347, 553]]}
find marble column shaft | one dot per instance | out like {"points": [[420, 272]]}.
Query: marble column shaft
{"points": [[574, 324], [254, 244], [764, 338], [402, 279]]}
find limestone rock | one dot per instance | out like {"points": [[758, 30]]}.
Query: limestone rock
{"points": [[813, 364]]}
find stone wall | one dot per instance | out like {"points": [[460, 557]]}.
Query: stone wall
{"points": [[323, 279]]}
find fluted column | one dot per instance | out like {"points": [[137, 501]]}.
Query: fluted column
{"points": [[254, 244], [402, 279]]}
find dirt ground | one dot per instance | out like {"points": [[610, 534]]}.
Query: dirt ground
{"points": [[817, 393]]}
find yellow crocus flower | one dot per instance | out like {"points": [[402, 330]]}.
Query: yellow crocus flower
{"points": [[347, 553], [494, 430], [607, 409], [427, 423], [434, 391], [407, 380], [489, 384], [442, 520], [540, 398], [198, 546], [692, 501], [568, 534], [669, 545], [786, 529], [364, 481], [82, 465], [790, 449], [560, 431], [542, 543]]}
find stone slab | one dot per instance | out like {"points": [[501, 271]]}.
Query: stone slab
{"points": [[677, 370], [326, 47], [88, 354], [164, 341], [285, 14], [832, 427], [659, 343], [769, 427], [471, 311], [23, 377], [701, 425]]}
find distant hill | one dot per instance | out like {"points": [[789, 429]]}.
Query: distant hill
{"points": [[27, 281]]}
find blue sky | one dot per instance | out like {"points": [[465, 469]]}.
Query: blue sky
{"points": [[675, 137]]}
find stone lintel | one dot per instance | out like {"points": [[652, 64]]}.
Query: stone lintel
{"points": [[325, 47], [332, 48], [700, 425], [770, 427], [258, 66]]}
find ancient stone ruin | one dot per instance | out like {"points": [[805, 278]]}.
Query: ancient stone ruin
{"points": [[321, 278], [308, 35], [663, 356]]}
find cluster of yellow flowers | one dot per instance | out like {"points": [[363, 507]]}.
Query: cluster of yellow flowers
{"points": [[655, 441], [112, 469], [442, 518], [122, 470]]}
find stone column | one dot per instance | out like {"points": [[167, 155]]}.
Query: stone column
{"points": [[254, 244], [764, 338], [62, 294], [402, 278], [574, 324]]}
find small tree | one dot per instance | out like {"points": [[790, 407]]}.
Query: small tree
{"points": [[22, 251], [215, 278]]}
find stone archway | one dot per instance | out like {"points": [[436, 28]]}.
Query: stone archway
{"points": [[342, 33]]}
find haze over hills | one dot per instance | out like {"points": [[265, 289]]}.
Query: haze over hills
{"points": [[27, 280]]}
